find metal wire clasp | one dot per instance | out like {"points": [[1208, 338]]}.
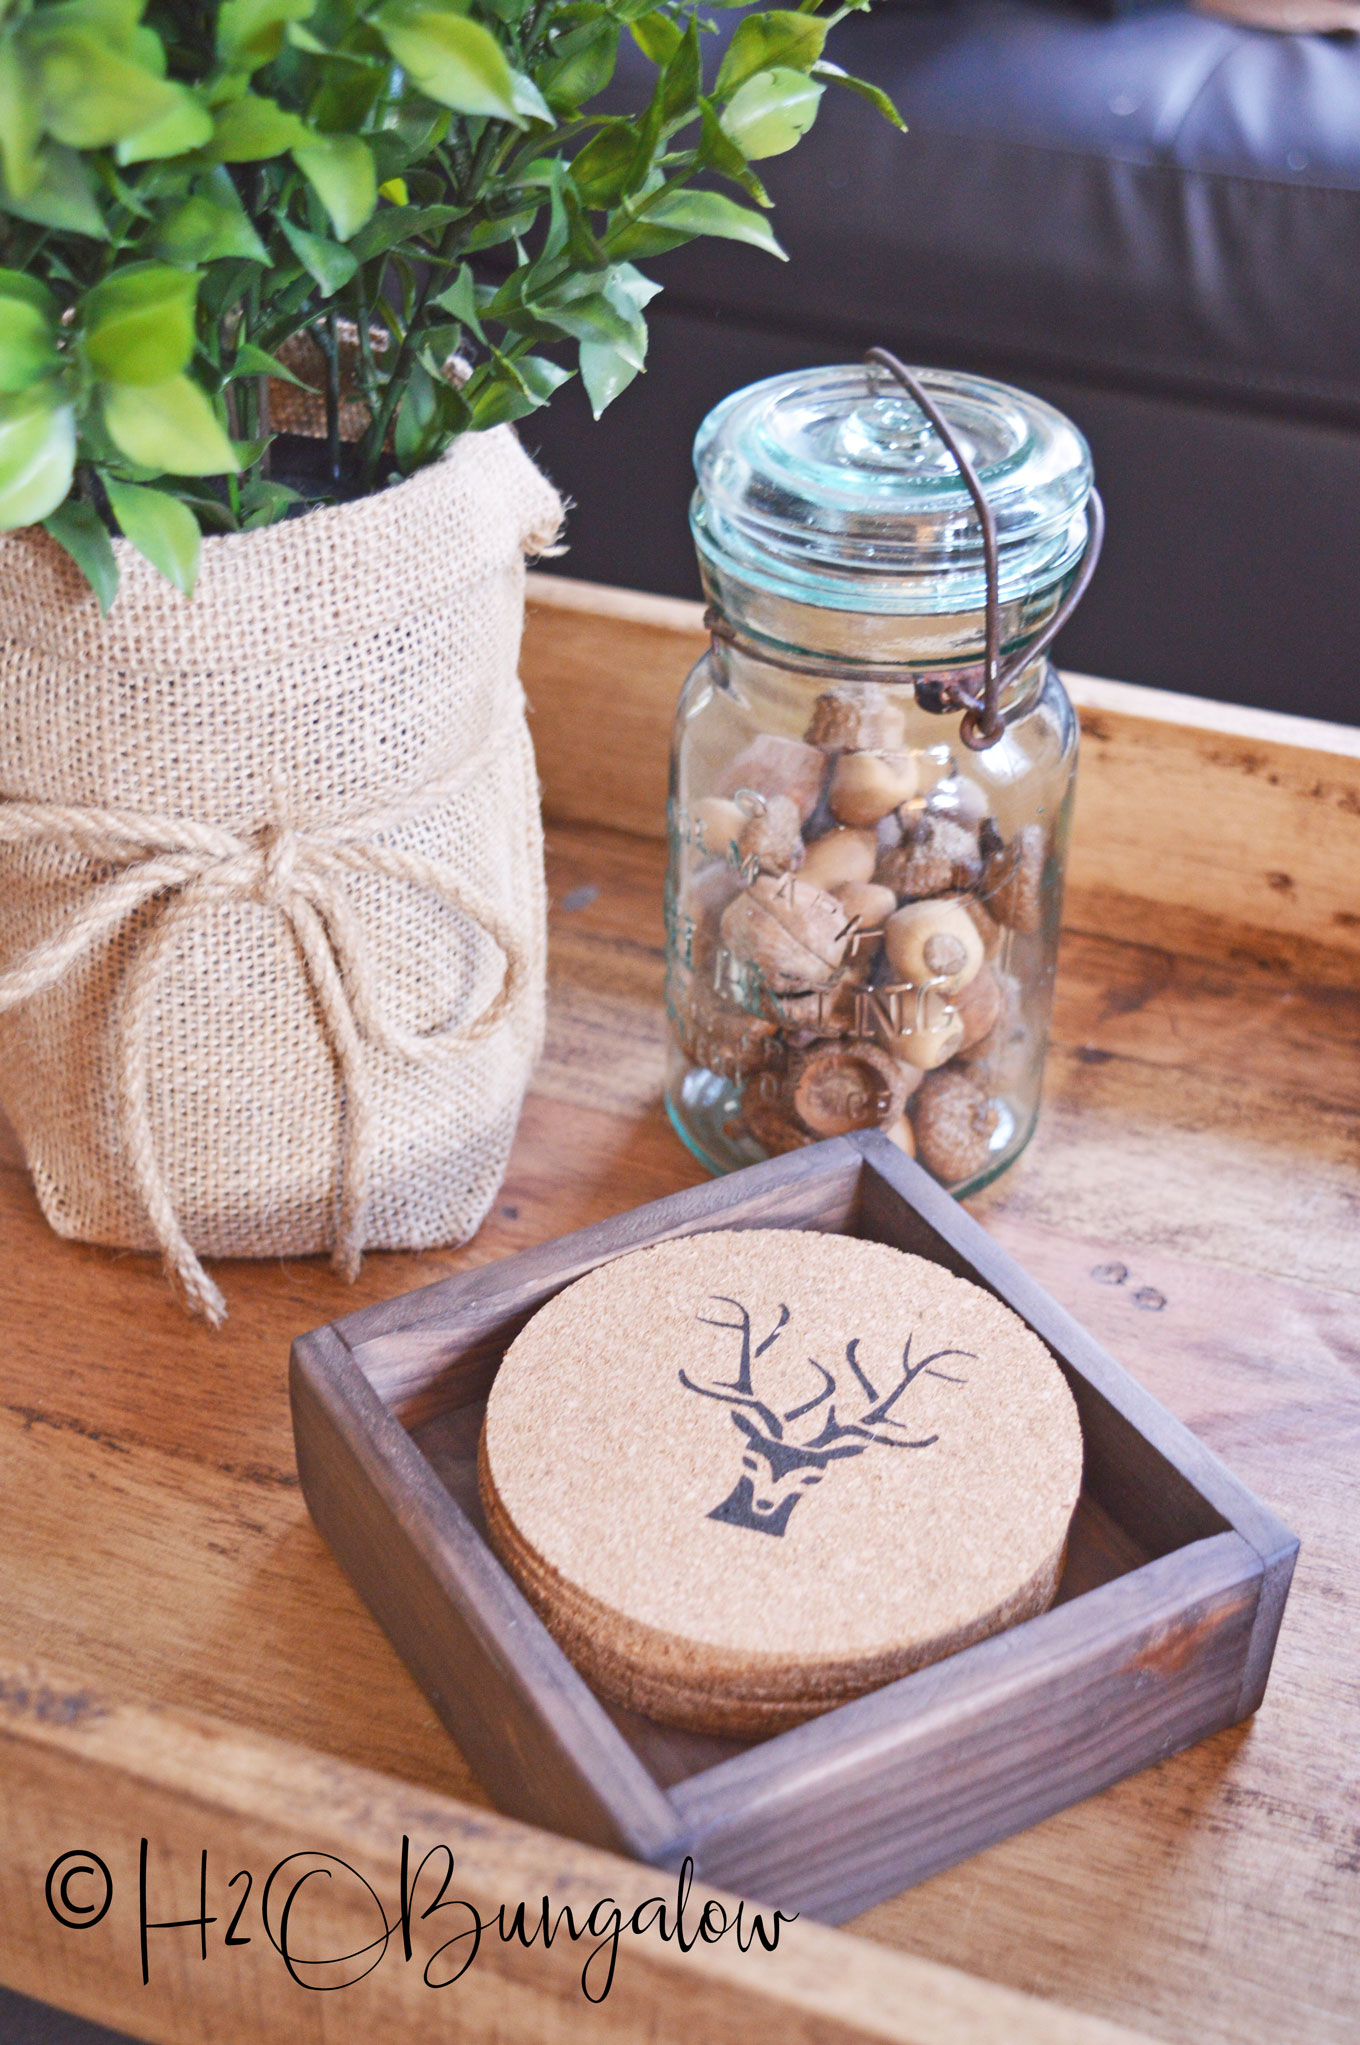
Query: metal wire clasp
{"points": [[982, 723]]}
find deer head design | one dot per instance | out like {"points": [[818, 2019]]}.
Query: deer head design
{"points": [[798, 1445]]}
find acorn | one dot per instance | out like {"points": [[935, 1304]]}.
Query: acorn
{"points": [[979, 1004], [954, 1122], [866, 900], [934, 941], [937, 856], [841, 856], [817, 1012], [721, 1037], [768, 1117], [836, 1087], [717, 824], [932, 1033], [866, 786], [794, 935], [1013, 882], [778, 766], [857, 718], [1007, 1034], [769, 834], [986, 926], [869, 906]]}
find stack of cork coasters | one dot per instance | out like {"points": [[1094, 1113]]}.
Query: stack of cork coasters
{"points": [[747, 1475]]}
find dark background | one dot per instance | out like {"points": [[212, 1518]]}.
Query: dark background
{"points": [[1151, 220]]}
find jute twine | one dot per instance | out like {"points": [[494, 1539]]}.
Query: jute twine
{"points": [[271, 938]]}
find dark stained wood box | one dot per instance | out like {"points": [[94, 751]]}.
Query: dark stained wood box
{"points": [[1163, 1631]]}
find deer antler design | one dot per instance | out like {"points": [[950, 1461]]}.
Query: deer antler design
{"points": [[795, 1464]]}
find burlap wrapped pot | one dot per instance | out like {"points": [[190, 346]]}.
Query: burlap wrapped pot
{"points": [[271, 876]]}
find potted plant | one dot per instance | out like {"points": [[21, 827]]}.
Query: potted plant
{"points": [[271, 946]]}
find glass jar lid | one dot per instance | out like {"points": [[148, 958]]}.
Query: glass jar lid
{"points": [[830, 487]]}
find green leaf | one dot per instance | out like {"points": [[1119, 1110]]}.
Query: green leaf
{"points": [[250, 129], [716, 152], [454, 61], [771, 112], [594, 320], [506, 227], [20, 120], [605, 373], [248, 452], [168, 427], [264, 502], [160, 527], [401, 223], [63, 195], [209, 226], [418, 433], [184, 126], [226, 282], [529, 101], [602, 170], [92, 96], [658, 37], [250, 32], [37, 456], [628, 289], [28, 331], [663, 223], [117, 21], [78, 527], [339, 169], [503, 390], [539, 377], [18, 284], [875, 95], [252, 361], [678, 86], [328, 262], [581, 63], [460, 298], [765, 41], [138, 325]]}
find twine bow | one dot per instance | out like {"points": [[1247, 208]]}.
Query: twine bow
{"points": [[299, 872]]}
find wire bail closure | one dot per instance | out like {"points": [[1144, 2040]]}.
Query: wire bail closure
{"points": [[982, 723]]}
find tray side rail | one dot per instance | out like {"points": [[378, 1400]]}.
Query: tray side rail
{"points": [[853, 1807], [532, 1730], [1142, 1464], [98, 1771], [439, 1346]]}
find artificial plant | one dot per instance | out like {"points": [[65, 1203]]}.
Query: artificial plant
{"points": [[186, 186]]}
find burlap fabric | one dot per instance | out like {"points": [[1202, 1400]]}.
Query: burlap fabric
{"points": [[272, 914]]}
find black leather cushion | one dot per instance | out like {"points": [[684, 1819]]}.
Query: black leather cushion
{"points": [[1164, 199], [1228, 567]]}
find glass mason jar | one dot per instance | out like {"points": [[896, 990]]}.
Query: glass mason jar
{"points": [[864, 889]]}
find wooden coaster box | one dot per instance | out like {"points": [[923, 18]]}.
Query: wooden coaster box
{"points": [[1163, 1632]]}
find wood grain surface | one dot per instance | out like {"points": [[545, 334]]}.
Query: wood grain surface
{"points": [[1192, 1196], [859, 1803], [1223, 819], [173, 1788]]}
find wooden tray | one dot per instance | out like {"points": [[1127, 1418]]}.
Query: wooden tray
{"points": [[1163, 1630], [182, 1660]]}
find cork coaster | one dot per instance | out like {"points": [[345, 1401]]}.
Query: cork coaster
{"points": [[749, 1474]]}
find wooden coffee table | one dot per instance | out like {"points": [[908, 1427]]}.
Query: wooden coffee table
{"points": [[182, 1661]]}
